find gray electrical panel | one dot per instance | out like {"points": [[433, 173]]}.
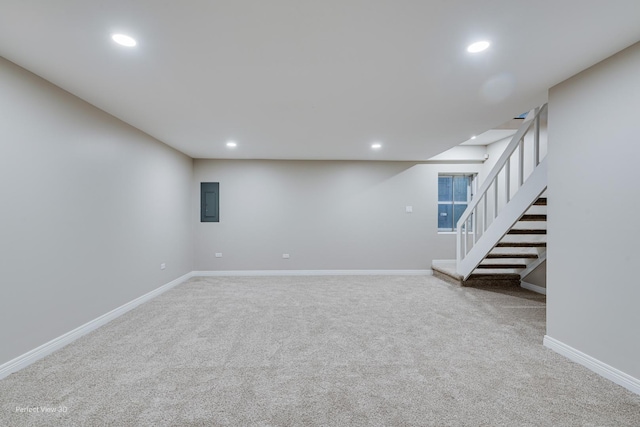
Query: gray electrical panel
{"points": [[209, 202]]}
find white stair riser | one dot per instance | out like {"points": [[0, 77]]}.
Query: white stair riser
{"points": [[530, 225], [537, 210], [524, 238], [503, 261]]}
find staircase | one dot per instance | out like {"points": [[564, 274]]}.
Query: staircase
{"points": [[502, 235]]}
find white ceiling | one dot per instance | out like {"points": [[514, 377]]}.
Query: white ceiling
{"points": [[294, 79]]}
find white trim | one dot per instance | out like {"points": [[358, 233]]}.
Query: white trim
{"points": [[223, 273], [38, 353], [534, 288], [600, 368]]}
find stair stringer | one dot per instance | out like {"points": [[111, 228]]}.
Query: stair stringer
{"points": [[533, 265], [532, 188]]}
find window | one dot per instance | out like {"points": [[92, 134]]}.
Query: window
{"points": [[454, 193]]}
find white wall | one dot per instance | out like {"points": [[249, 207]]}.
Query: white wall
{"points": [[494, 151], [594, 146], [328, 215], [462, 154], [90, 207]]}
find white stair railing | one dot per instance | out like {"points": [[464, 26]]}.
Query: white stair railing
{"points": [[516, 180]]}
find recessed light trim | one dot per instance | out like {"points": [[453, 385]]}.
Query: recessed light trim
{"points": [[478, 46], [231, 144], [376, 146], [124, 40]]}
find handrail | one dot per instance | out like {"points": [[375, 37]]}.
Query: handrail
{"points": [[503, 163], [497, 168]]}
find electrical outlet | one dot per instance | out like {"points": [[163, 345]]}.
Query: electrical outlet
{"points": [[163, 266], [218, 254], [285, 256]]}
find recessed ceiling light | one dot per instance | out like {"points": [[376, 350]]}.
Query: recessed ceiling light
{"points": [[124, 40], [473, 137], [376, 146], [231, 144], [478, 46]]}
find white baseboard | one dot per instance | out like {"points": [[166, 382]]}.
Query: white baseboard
{"points": [[534, 288], [600, 368], [258, 273], [57, 343]]}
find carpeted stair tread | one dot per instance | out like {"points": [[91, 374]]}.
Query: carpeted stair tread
{"points": [[521, 245], [533, 217], [483, 266], [542, 201], [527, 231], [516, 255]]}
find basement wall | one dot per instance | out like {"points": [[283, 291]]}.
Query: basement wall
{"points": [[327, 215], [90, 207], [592, 274]]}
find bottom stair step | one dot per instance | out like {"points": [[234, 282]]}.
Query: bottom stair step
{"points": [[448, 274]]}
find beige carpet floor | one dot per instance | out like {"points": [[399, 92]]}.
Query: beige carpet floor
{"points": [[325, 351]]}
